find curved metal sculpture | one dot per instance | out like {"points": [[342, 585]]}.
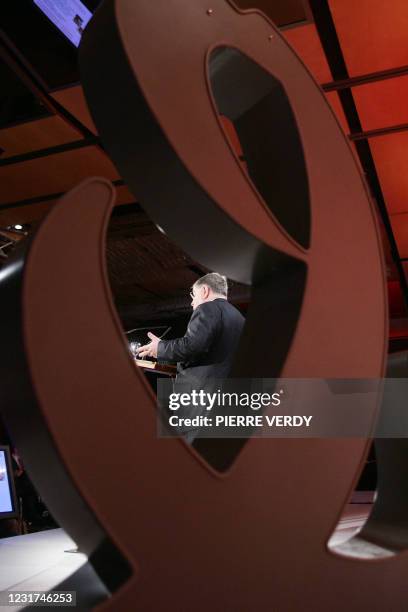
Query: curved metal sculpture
{"points": [[253, 537]]}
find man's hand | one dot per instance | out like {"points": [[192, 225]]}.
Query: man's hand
{"points": [[149, 350]]}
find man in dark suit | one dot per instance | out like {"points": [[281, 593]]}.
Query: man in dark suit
{"points": [[206, 350]]}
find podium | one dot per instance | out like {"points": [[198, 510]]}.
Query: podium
{"points": [[155, 366]]}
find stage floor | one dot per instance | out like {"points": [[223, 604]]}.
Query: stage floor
{"points": [[42, 561]]}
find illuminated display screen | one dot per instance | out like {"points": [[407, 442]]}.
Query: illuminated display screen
{"points": [[6, 491], [69, 16]]}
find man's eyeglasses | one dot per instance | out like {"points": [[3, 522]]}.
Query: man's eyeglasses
{"points": [[192, 295]]}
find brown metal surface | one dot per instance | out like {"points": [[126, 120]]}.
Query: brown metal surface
{"points": [[255, 537]]}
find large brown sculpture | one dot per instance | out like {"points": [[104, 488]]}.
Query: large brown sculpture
{"points": [[253, 537]]}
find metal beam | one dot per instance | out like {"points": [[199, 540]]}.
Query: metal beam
{"points": [[45, 198], [63, 148], [364, 79], [24, 71], [334, 54], [392, 129]]}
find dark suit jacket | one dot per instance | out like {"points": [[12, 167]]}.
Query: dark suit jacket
{"points": [[207, 349]]}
